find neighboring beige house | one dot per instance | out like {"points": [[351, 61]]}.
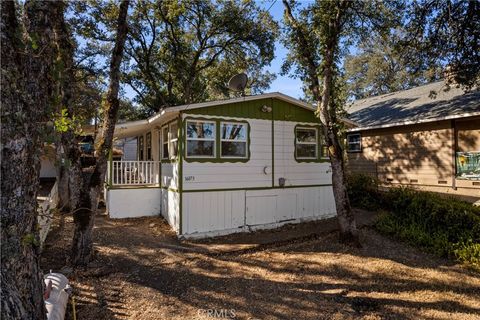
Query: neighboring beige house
{"points": [[427, 137]]}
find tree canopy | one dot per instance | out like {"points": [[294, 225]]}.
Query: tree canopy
{"points": [[182, 52], [430, 37], [381, 65]]}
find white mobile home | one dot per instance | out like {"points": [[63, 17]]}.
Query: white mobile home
{"points": [[225, 166]]}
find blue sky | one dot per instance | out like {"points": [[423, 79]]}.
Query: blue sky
{"points": [[283, 84]]}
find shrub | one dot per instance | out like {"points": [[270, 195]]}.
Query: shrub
{"points": [[444, 225], [363, 192]]}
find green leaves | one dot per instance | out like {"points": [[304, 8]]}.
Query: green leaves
{"points": [[64, 122], [185, 52]]}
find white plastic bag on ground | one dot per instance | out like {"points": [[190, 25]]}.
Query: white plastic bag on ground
{"points": [[56, 296]]}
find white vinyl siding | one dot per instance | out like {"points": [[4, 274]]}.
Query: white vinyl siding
{"points": [[226, 175], [295, 173]]}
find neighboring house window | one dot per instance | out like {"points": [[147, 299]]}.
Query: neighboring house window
{"points": [[165, 142], [149, 145], [140, 148], [200, 139], [173, 140], [306, 143], [233, 138], [354, 142], [468, 165]]}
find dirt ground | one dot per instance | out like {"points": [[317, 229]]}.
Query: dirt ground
{"points": [[141, 271]]}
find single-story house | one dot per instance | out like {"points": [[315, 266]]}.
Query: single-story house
{"points": [[224, 166], [426, 137]]}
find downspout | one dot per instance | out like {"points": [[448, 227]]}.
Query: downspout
{"points": [[454, 153]]}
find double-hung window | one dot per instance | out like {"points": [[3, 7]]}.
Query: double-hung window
{"points": [[306, 143], [354, 142], [169, 141], [200, 135], [233, 140], [165, 154], [173, 140]]}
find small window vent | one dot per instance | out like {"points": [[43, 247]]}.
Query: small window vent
{"points": [[413, 180], [442, 181], [389, 179], [475, 183]]}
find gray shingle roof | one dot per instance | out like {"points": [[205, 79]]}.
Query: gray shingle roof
{"points": [[416, 104]]}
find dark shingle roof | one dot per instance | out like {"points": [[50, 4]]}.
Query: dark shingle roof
{"points": [[420, 104]]}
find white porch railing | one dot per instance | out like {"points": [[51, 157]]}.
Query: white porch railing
{"points": [[124, 173]]}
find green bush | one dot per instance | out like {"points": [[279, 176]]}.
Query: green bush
{"points": [[444, 225], [363, 192]]}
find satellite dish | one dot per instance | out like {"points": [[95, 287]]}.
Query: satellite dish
{"points": [[238, 82]]}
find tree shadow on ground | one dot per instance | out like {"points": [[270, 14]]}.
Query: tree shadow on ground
{"points": [[310, 279]]}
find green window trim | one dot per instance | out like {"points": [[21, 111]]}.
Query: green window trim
{"points": [[217, 149], [212, 140], [319, 158], [245, 141]]}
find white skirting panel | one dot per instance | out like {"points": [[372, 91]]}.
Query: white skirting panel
{"points": [[222, 212], [171, 208], [212, 211], [132, 203]]}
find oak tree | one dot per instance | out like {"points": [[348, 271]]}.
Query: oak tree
{"points": [[27, 90], [317, 36]]}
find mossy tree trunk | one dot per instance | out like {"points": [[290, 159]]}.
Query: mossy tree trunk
{"points": [[27, 87], [82, 246]]}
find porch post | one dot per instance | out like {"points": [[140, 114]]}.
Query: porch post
{"points": [[110, 167]]}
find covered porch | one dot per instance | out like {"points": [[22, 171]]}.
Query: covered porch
{"points": [[143, 183]]}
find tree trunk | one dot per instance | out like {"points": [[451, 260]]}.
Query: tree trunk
{"points": [[82, 245], [26, 93], [70, 169], [328, 117], [326, 108]]}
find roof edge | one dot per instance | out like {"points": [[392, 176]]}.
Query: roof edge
{"points": [[411, 122], [278, 95]]}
